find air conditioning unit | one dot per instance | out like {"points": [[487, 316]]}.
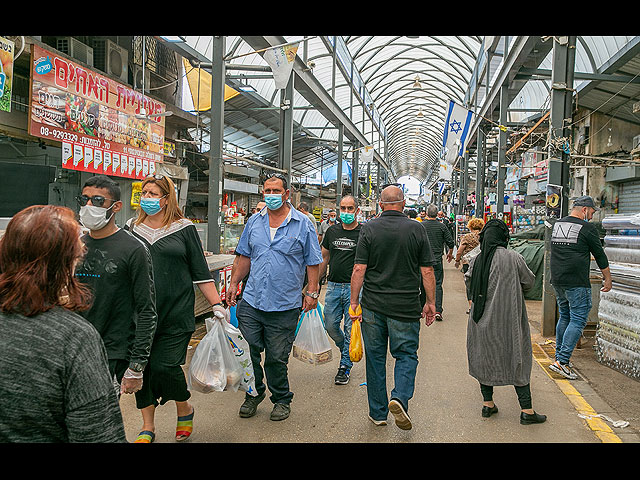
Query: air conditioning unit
{"points": [[111, 58], [76, 49], [136, 72]]}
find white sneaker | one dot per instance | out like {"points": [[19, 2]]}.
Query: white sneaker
{"points": [[563, 370], [378, 423]]}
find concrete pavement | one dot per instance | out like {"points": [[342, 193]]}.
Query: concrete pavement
{"points": [[445, 409]]}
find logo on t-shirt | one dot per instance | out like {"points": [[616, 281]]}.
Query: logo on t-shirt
{"points": [[565, 232], [344, 244]]}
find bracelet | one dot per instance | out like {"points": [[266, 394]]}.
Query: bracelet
{"points": [[216, 304]]}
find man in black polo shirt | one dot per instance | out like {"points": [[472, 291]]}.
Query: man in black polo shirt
{"points": [[338, 253], [392, 257], [439, 238]]}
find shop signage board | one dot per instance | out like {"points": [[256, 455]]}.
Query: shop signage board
{"points": [[6, 73], [95, 118]]}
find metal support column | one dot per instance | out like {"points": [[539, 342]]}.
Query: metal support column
{"points": [[286, 128], [480, 172], [502, 152], [339, 166], [215, 151], [378, 183], [355, 185], [563, 65]]}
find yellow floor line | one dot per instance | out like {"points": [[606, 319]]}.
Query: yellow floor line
{"points": [[597, 425]]}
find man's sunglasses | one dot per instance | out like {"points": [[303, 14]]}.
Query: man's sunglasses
{"points": [[96, 200]]}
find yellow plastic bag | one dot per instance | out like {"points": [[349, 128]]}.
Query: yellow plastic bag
{"points": [[355, 343]]}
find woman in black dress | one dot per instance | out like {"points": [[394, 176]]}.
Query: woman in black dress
{"points": [[178, 264]]}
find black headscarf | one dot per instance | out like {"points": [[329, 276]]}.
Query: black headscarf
{"points": [[494, 234]]}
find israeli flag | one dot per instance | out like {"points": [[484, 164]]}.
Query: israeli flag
{"points": [[441, 187], [456, 129]]}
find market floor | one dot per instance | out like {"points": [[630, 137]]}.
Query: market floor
{"points": [[445, 408]]}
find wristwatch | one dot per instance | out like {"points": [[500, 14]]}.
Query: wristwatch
{"points": [[136, 367], [312, 294]]}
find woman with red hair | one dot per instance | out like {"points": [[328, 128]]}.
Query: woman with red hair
{"points": [[54, 378]]}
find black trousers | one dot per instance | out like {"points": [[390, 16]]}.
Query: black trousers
{"points": [[524, 395], [272, 333]]}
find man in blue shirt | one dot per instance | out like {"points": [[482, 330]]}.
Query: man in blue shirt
{"points": [[277, 245]]}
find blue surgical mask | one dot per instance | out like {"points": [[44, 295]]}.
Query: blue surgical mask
{"points": [[274, 201], [347, 218], [151, 206]]}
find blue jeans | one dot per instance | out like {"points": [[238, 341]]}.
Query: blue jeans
{"points": [[378, 330], [574, 305], [336, 308]]}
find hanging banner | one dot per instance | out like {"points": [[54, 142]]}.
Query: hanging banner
{"points": [[366, 154], [7, 48], [199, 81], [281, 59], [445, 170], [456, 128], [73, 104]]}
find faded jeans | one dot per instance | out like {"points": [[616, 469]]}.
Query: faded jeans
{"points": [[337, 299], [574, 305], [402, 337]]}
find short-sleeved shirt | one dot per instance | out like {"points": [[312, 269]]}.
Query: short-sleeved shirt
{"points": [[393, 247], [278, 266], [178, 263], [341, 244], [325, 225], [572, 242]]}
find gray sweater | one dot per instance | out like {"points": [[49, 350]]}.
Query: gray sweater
{"points": [[54, 381]]}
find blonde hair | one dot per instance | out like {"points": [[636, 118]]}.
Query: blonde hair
{"points": [[172, 211], [475, 224]]}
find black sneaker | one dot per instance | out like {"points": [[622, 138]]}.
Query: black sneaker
{"points": [[250, 405], [280, 411], [439, 317], [564, 370], [342, 377]]}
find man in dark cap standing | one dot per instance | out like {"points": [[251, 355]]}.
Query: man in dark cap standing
{"points": [[573, 241]]}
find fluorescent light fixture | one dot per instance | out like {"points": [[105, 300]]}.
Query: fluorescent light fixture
{"points": [[172, 38], [246, 88]]}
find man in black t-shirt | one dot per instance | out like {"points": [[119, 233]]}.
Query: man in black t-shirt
{"points": [[118, 270], [573, 241], [440, 239], [338, 253], [392, 255]]}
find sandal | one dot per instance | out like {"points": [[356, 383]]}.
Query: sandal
{"points": [[145, 436], [185, 426]]}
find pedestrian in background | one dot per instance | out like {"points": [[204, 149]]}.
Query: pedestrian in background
{"points": [[440, 240], [178, 263], [117, 269], [304, 208], [498, 337], [573, 241], [54, 377], [338, 253], [393, 258], [277, 246], [468, 242], [331, 219]]}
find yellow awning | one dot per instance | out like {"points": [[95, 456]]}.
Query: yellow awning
{"points": [[203, 103]]}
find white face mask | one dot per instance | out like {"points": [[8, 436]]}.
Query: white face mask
{"points": [[94, 218]]}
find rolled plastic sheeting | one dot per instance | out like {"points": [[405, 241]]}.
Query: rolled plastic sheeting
{"points": [[621, 221], [622, 255], [618, 334], [624, 241]]}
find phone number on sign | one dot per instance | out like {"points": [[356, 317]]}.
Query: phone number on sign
{"points": [[72, 137]]}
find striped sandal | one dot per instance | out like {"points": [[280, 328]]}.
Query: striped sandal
{"points": [[145, 436], [184, 427]]}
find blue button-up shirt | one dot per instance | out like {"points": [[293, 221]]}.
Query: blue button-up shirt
{"points": [[278, 267]]}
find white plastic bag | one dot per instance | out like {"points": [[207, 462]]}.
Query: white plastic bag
{"points": [[214, 367], [312, 342], [240, 348]]}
